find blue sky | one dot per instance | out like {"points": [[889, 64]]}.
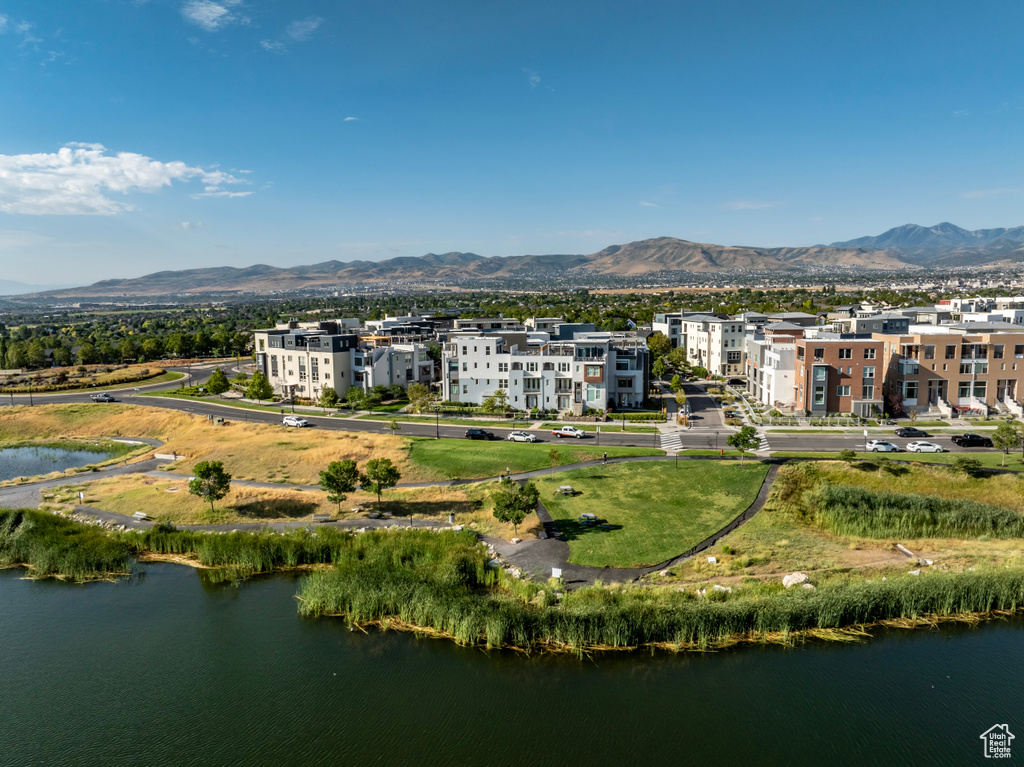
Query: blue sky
{"points": [[142, 135]]}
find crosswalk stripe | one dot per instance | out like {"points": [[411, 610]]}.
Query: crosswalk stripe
{"points": [[671, 441]]}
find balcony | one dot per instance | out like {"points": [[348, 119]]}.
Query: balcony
{"points": [[908, 367]]}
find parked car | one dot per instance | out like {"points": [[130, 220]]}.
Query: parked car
{"points": [[910, 431], [569, 431], [102, 397], [294, 420], [881, 446], [924, 447], [737, 382], [971, 440], [478, 434], [521, 436]]}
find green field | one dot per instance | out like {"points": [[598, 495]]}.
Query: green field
{"points": [[471, 459], [988, 460], [655, 510]]}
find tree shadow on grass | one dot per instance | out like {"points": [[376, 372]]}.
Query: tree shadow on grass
{"points": [[572, 530], [424, 508], [276, 509]]}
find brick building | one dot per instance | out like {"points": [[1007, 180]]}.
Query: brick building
{"points": [[838, 374]]}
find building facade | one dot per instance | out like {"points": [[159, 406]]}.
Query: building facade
{"points": [[839, 374]]}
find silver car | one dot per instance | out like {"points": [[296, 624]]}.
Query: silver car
{"points": [[881, 446], [521, 436], [924, 447]]}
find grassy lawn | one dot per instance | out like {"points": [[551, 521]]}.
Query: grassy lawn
{"points": [[470, 459], [608, 427], [496, 424], [655, 510], [96, 380], [988, 460]]}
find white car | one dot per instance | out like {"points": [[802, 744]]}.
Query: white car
{"points": [[569, 431], [924, 447], [881, 446], [521, 436], [294, 420]]}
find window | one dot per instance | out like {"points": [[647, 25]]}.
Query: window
{"points": [[819, 374], [502, 367], [964, 389], [531, 367], [842, 391], [869, 371], [819, 353], [910, 390], [846, 354], [819, 395], [314, 370], [563, 367], [799, 352], [465, 388], [979, 389], [622, 364], [531, 384], [929, 352], [464, 351], [868, 391], [261, 344], [965, 368], [733, 358], [487, 350], [950, 352], [869, 354], [273, 364], [465, 366], [502, 383], [1018, 351], [593, 371], [625, 383], [980, 367], [997, 352]]}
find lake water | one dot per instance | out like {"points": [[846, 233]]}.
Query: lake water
{"points": [[32, 461], [166, 670]]}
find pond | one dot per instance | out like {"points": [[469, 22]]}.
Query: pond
{"points": [[32, 461], [167, 669]]}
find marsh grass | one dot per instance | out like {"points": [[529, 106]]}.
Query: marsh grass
{"points": [[53, 546]]}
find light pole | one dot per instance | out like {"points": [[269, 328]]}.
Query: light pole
{"points": [[437, 419]]}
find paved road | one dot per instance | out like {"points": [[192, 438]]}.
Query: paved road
{"points": [[707, 428]]}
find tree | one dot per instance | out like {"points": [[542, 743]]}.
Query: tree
{"points": [[847, 455], [700, 372], [379, 475], [659, 368], [86, 354], [210, 481], [1009, 434], [218, 383], [340, 479], [676, 383], [554, 456], [126, 350], [371, 399], [396, 391], [745, 439], [151, 349], [329, 397], [419, 397], [354, 397], [393, 425], [514, 502], [495, 403], [659, 344], [259, 387], [968, 465]]}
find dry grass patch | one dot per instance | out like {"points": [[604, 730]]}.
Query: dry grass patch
{"points": [[169, 500], [259, 452]]}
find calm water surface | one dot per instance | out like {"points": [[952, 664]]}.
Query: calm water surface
{"points": [[165, 670], [31, 461]]}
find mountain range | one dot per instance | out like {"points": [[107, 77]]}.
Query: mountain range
{"points": [[906, 247]]}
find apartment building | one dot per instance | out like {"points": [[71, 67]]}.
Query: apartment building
{"points": [[594, 371], [866, 324], [303, 361], [838, 374], [670, 325], [970, 365], [714, 343]]}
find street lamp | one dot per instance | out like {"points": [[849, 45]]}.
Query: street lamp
{"points": [[437, 417]]}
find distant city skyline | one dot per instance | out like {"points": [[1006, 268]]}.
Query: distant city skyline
{"points": [[144, 135]]}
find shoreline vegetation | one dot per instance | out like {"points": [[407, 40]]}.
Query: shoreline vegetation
{"points": [[444, 584]]}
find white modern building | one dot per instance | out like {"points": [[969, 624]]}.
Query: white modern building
{"points": [[302, 362], [714, 343], [593, 371]]}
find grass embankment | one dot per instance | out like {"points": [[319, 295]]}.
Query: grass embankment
{"points": [[988, 460], [606, 428], [443, 586], [97, 378], [470, 459], [788, 535], [653, 511], [481, 422]]}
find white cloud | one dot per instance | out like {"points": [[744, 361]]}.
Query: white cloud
{"points": [[80, 178], [749, 205], [274, 46], [189, 225], [976, 194], [350, 119], [4, 21], [211, 15], [303, 28], [646, 204], [533, 78]]}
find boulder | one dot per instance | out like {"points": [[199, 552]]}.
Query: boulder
{"points": [[542, 535], [794, 579], [807, 586], [915, 572], [517, 540], [727, 589], [663, 573]]}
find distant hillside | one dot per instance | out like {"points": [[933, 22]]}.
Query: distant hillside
{"points": [[946, 245]]}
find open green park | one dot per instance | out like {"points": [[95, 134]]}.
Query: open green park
{"points": [[648, 512]]}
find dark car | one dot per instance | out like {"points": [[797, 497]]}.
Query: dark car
{"points": [[102, 398], [736, 382], [971, 440], [478, 434], [910, 431]]}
